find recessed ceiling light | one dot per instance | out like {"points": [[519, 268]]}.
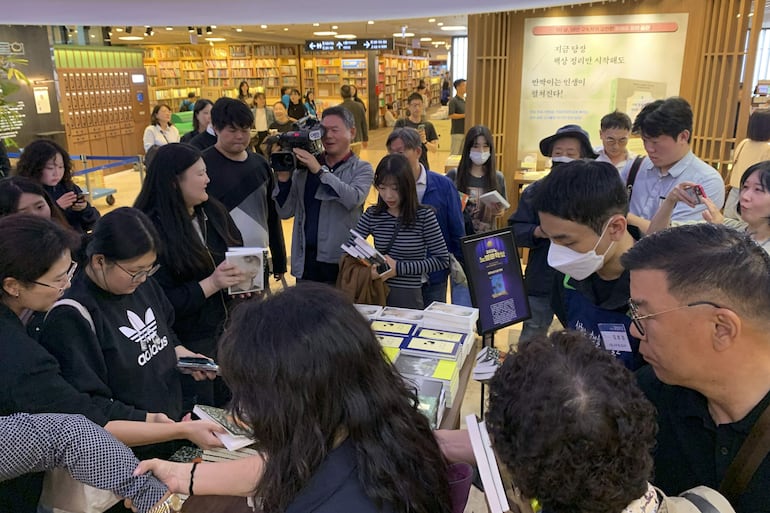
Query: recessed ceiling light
{"points": [[426, 39], [405, 34], [316, 24], [454, 28], [93, 36], [325, 33], [285, 29], [263, 26], [346, 36], [213, 26], [440, 23], [370, 22], [431, 20], [216, 39], [118, 29], [334, 27], [239, 29], [169, 28], [130, 38]]}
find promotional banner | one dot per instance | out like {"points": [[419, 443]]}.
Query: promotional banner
{"points": [[493, 269], [577, 69]]}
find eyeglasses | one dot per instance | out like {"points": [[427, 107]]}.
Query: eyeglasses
{"points": [[66, 279], [139, 276], [637, 318]]}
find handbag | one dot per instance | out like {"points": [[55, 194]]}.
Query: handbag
{"points": [[63, 494]]}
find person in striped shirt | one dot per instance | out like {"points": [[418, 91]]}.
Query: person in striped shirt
{"points": [[404, 231]]}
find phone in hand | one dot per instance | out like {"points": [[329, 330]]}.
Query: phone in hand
{"points": [[82, 196], [188, 364], [695, 193]]}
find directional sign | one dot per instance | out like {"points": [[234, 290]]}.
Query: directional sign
{"points": [[348, 45]]}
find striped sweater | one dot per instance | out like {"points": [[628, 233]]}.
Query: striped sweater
{"points": [[418, 249]]}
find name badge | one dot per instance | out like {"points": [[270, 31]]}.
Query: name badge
{"points": [[615, 337]]}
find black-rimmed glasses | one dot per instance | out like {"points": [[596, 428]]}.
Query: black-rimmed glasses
{"points": [[637, 318]]}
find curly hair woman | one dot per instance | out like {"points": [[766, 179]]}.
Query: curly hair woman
{"points": [[572, 426], [338, 429]]}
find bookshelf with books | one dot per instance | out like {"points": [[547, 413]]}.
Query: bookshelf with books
{"points": [[214, 71], [354, 72], [328, 71], [398, 76]]}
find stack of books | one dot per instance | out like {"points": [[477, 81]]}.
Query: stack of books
{"points": [[486, 462], [235, 436], [359, 248]]}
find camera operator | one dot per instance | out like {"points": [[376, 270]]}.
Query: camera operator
{"points": [[325, 196]]}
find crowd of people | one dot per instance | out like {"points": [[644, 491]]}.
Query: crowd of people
{"points": [[657, 386]]}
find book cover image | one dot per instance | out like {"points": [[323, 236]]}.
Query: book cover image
{"points": [[225, 419], [251, 261]]}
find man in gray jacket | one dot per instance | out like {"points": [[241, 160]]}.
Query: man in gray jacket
{"points": [[325, 197]]}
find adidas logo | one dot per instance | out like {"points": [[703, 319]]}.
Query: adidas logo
{"points": [[145, 333]]}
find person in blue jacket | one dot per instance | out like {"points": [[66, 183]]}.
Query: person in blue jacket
{"points": [[582, 207], [440, 193]]}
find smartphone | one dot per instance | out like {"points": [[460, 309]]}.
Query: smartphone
{"points": [[188, 364], [695, 193], [421, 127], [83, 196]]}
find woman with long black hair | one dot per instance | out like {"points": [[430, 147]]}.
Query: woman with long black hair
{"points": [[196, 231]]}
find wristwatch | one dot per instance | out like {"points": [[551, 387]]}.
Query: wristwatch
{"points": [[324, 169]]}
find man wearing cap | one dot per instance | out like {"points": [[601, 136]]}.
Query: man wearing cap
{"points": [[568, 143], [666, 130]]}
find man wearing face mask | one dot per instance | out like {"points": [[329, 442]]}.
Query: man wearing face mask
{"points": [[568, 143], [582, 207]]}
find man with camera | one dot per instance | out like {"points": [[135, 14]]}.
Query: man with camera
{"points": [[241, 179], [325, 195]]}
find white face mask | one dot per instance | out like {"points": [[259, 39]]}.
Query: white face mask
{"points": [[480, 157], [573, 263], [557, 161]]}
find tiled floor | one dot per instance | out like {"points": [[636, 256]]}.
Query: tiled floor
{"points": [[128, 184]]}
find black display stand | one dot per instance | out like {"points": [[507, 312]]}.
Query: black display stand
{"points": [[496, 284]]}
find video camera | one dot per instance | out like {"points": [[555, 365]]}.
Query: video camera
{"points": [[307, 135]]}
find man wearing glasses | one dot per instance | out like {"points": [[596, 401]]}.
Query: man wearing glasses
{"points": [[700, 301], [614, 132], [582, 207]]}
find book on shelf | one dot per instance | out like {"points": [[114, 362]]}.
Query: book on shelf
{"points": [[486, 462], [495, 199], [251, 262], [235, 436], [359, 248]]}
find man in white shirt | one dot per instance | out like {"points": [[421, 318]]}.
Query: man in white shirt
{"points": [[666, 129], [614, 130]]}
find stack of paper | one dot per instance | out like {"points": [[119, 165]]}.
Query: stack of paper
{"points": [[214, 455], [370, 312]]}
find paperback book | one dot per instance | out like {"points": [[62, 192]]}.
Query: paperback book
{"points": [[495, 199], [357, 247], [486, 462], [235, 436]]}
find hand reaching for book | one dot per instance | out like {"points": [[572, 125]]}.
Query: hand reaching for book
{"points": [[201, 433]]}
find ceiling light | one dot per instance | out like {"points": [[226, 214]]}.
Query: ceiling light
{"points": [[453, 28], [239, 29], [431, 20], [346, 36], [370, 22], [426, 39], [263, 26], [334, 27], [93, 36], [130, 38], [216, 39], [285, 29], [440, 23], [404, 34], [169, 28], [325, 33], [316, 24], [118, 29], [213, 26], [208, 30]]}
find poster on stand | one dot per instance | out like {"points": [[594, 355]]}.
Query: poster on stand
{"points": [[577, 69], [495, 280]]}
